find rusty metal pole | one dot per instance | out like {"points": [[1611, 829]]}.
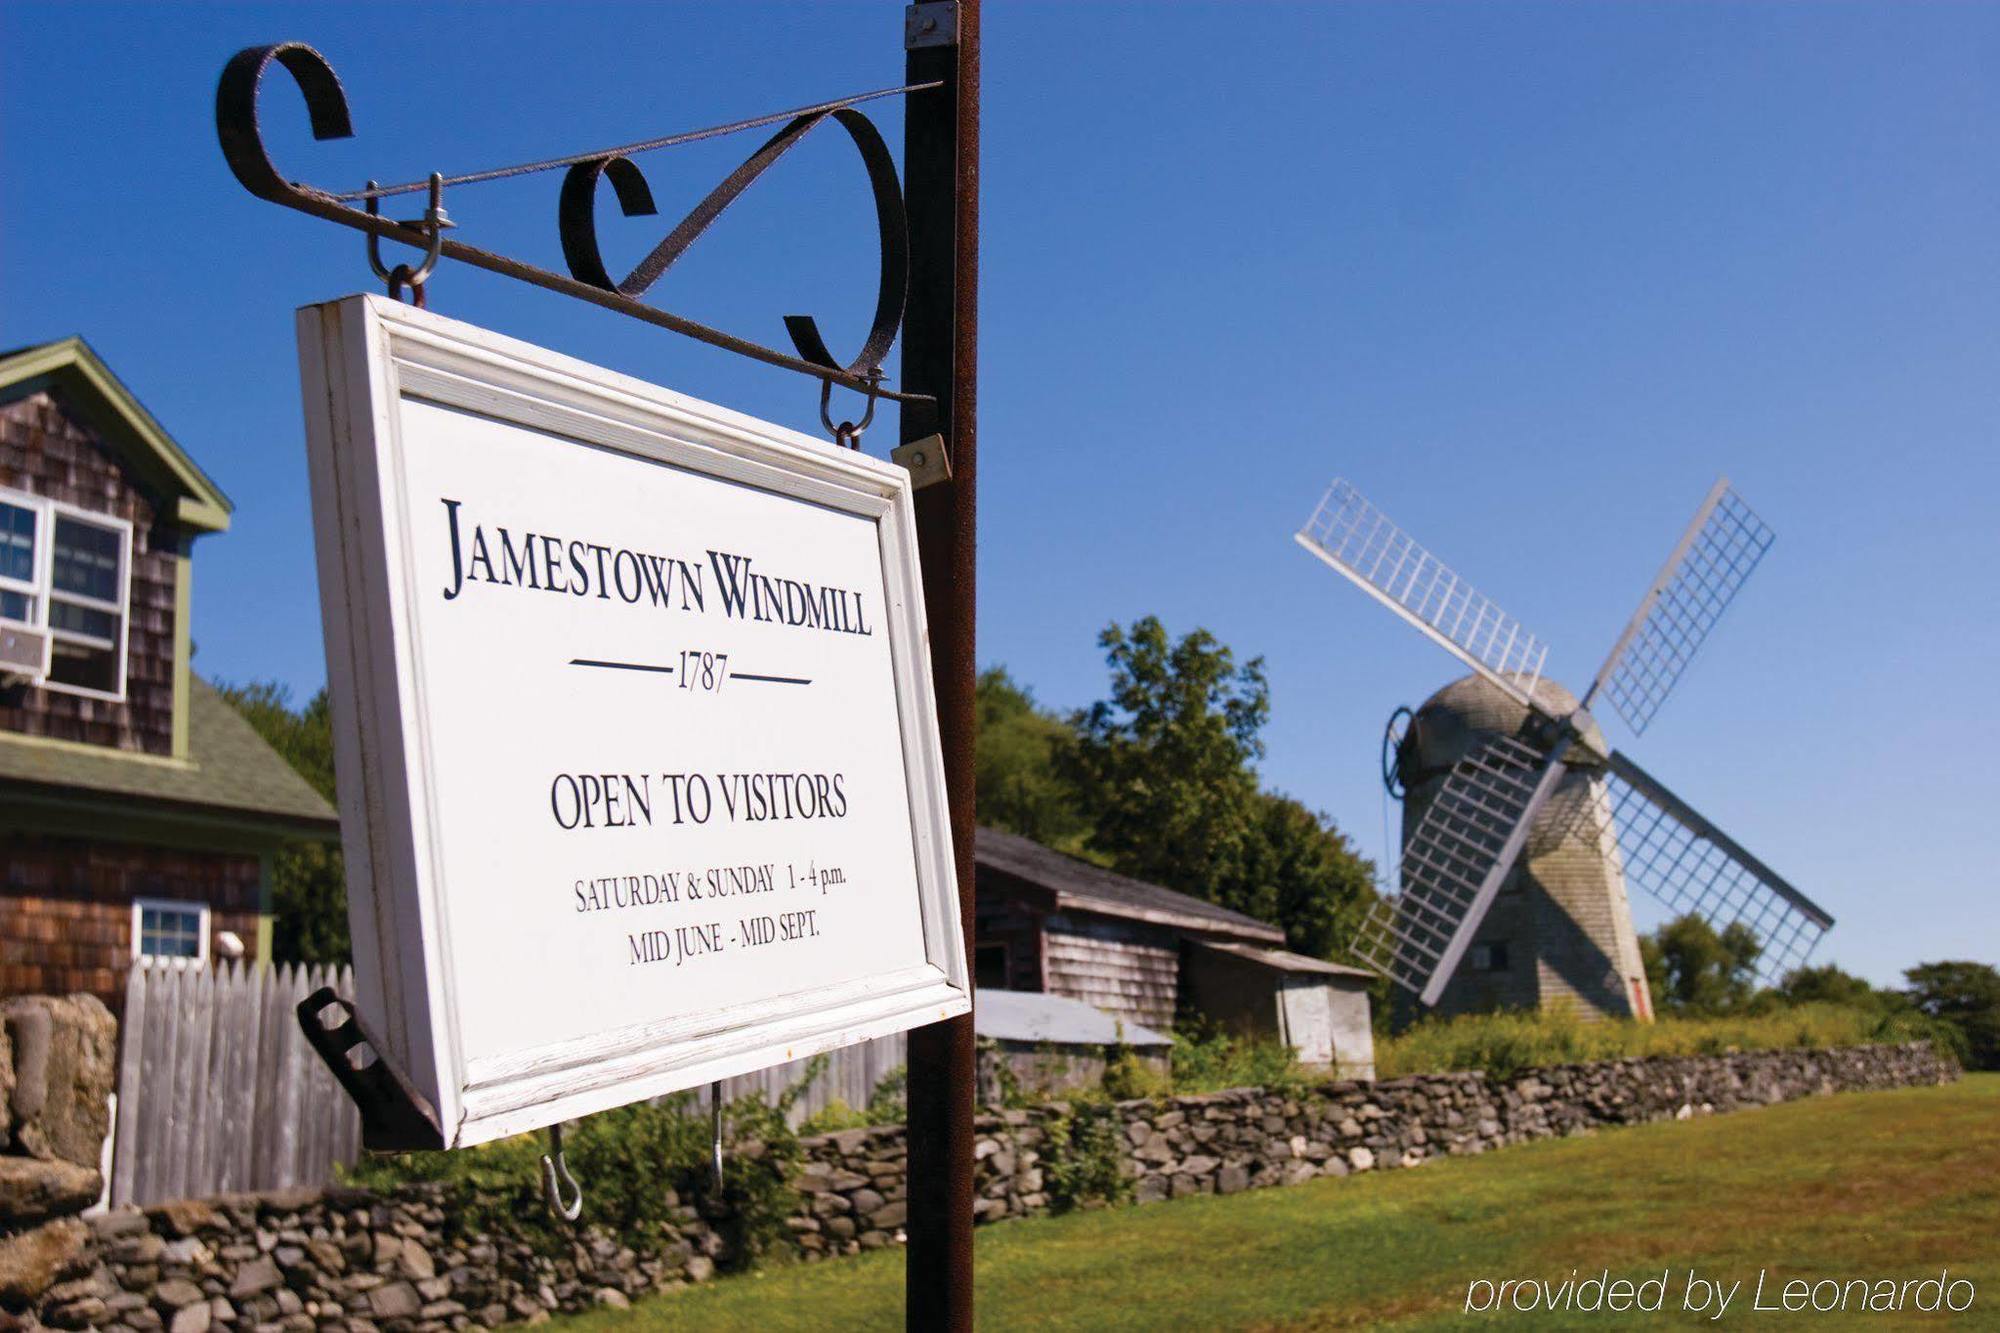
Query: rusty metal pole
{"points": [[940, 357]]}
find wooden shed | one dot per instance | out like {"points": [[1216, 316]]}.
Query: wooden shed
{"points": [[1051, 923], [1320, 1009]]}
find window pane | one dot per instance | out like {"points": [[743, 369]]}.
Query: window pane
{"points": [[83, 666], [169, 932], [86, 560], [83, 620], [17, 606], [17, 542]]}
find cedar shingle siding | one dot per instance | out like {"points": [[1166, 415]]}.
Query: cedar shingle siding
{"points": [[66, 908], [1129, 969], [46, 450]]}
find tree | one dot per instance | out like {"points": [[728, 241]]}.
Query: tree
{"points": [[1966, 996], [1693, 970], [1020, 790], [1165, 768], [1165, 761], [1828, 984], [1321, 887], [308, 880]]}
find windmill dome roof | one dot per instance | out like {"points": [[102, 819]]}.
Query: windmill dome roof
{"points": [[1465, 712]]}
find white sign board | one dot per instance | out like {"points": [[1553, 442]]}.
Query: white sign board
{"points": [[640, 783]]}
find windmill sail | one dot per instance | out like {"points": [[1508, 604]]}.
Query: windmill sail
{"points": [[1679, 857], [1358, 540], [1455, 863], [1715, 555]]}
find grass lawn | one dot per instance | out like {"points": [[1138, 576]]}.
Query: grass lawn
{"points": [[1882, 1184]]}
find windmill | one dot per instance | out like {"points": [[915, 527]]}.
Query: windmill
{"points": [[1507, 771]]}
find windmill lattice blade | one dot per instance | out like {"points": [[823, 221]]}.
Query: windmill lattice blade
{"points": [[1715, 556], [1359, 541], [1454, 863], [1674, 853]]}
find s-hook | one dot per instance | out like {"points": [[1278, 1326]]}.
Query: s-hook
{"points": [[434, 222], [556, 1178], [847, 434]]}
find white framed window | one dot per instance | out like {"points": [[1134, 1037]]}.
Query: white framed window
{"points": [[23, 525], [167, 931], [69, 572]]}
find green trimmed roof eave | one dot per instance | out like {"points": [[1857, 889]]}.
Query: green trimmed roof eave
{"points": [[230, 775], [81, 813], [71, 365]]}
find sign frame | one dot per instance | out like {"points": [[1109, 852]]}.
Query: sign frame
{"points": [[360, 357]]}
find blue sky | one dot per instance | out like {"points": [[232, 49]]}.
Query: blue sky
{"points": [[1531, 275]]}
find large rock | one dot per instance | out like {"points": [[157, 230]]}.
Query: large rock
{"points": [[33, 1191], [65, 1051], [33, 1261]]}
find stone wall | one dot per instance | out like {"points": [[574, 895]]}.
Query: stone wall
{"points": [[330, 1259]]}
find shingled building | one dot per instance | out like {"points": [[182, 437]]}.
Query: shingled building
{"points": [[138, 811], [1153, 957]]}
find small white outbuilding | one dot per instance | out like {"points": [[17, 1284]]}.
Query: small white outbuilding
{"points": [[1318, 1008]]}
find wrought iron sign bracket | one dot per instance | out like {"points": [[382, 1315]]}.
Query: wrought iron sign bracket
{"points": [[395, 1117], [236, 123]]}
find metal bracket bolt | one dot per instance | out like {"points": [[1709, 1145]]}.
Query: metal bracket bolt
{"points": [[927, 461], [930, 24]]}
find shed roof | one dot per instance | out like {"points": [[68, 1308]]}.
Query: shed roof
{"points": [[1078, 884], [229, 771], [1011, 1015], [1283, 960], [123, 423]]}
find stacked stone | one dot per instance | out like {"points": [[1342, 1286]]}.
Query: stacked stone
{"points": [[853, 1191], [1007, 1165], [315, 1259]]}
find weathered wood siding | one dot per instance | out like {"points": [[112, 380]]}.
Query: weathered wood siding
{"points": [[1017, 927], [46, 450], [66, 908], [1129, 969], [218, 1091], [1238, 996]]}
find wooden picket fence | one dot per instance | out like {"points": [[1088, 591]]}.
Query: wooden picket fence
{"points": [[217, 1089], [852, 1075]]}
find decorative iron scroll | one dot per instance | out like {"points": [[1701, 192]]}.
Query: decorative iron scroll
{"points": [[326, 105]]}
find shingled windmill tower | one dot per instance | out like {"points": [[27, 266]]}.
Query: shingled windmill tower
{"points": [[1560, 929], [1521, 825]]}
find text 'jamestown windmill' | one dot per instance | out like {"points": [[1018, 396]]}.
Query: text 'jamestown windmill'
{"points": [[1521, 825]]}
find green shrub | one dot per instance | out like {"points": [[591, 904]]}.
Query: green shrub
{"points": [[1083, 1156], [1126, 1076], [639, 1167], [889, 1101], [1208, 1059], [1504, 1044], [886, 1106], [835, 1116]]}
